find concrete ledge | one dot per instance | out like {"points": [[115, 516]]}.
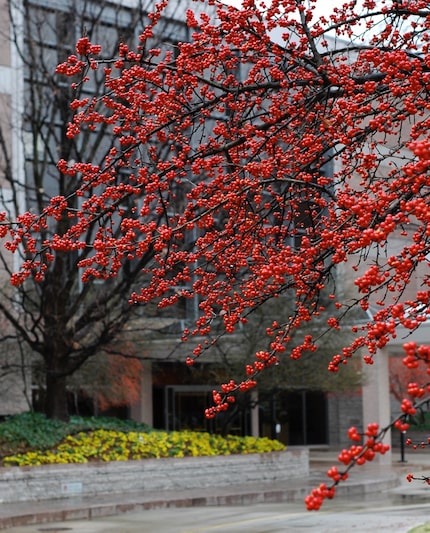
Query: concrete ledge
{"points": [[50, 482], [61, 510]]}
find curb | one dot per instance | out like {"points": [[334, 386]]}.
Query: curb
{"points": [[75, 508]]}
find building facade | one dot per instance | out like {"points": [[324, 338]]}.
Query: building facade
{"points": [[35, 38]]}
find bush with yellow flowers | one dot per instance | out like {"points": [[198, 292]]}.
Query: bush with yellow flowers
{"points": [[110, 445]]}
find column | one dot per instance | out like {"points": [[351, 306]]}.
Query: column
{"points": [[255, 422], [376, 398], [142, 410]]}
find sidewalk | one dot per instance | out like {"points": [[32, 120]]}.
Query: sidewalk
{"points": [[363, 480]]}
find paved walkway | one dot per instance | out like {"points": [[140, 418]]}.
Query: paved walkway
{"points": [[372, 478]]}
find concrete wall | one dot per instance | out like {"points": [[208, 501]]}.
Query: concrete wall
{"points": [[15, 386], [18, 484], [344, 411]]}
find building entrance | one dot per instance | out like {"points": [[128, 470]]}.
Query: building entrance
{"points": [[182, 407], [295, 417]]}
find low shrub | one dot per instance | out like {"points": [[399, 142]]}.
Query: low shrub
{"points": [[111, 445], [27, 432]]}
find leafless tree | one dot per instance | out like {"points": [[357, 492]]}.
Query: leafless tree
{"points": [[62, 320]]}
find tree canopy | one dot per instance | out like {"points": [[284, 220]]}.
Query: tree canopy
{"points": [[298, 153]]}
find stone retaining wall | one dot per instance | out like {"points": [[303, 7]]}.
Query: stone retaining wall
{"points": [[18, 484]]}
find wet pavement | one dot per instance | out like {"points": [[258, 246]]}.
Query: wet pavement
{"points": [[376, 497], [362, 515]]}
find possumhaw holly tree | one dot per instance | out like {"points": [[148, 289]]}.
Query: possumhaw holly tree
{"points": [[298, 151]]}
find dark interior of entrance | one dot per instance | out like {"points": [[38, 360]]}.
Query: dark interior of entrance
{"points": [[294, 417], [182, 407]]}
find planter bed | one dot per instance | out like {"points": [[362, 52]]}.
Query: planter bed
{"points": [[18, 484]]}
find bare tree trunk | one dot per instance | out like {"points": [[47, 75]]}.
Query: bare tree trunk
{"points": [[56, 405]]}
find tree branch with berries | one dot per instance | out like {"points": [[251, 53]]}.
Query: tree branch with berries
{"points": [[298, 153]]}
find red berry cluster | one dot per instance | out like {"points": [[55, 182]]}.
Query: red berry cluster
{"points": [[354, 455]]}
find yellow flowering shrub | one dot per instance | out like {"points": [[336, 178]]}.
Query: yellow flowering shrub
{"points": [[109, 445]]}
